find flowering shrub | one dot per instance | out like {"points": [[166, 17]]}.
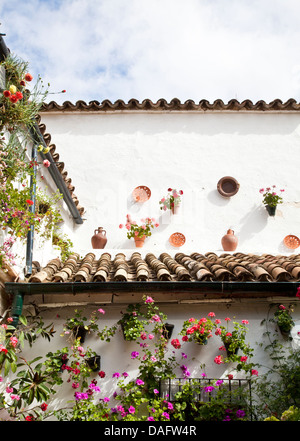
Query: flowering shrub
{"points": [[18, 105], [270, 197], [172, 199], [135, 230], [198, 330], [6, 256]]}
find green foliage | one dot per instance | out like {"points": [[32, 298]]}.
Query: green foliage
{"points": [[63, 242]]}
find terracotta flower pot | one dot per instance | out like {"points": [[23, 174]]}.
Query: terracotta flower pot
{"points": [[139, 241], [175, 209], [229, 241]]}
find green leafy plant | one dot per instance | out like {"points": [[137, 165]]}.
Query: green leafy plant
{"points": [[63, 242], [234, 340], [283, 318]]}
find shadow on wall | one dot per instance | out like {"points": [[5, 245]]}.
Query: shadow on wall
{"points": [[215, 198], [253, 222]]}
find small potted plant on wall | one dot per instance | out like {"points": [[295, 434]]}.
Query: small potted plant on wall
{"points": [[284, 320], [171, 201], [198, 331], [139, 232], [132, 322], [79, 326], [233, 340], [271, 199]]}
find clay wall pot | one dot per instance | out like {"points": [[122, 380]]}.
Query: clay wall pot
{"points": [[228, 186], [229, 241], [99, 239], [139, 241]]}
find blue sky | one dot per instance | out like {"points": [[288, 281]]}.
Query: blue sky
{"points": [[188, 49]]}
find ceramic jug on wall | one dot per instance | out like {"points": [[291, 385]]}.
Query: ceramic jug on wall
{"points": [[99, 239], [229, 241]]}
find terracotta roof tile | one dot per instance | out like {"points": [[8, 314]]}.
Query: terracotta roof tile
{"points": [[182, 267], [174, 105]]}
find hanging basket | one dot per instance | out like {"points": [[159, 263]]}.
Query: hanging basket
{"points": [[94, 363], [168, 330], [80, 332]]}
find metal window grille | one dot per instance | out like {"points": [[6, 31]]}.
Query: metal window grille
{"points": [[237, 387]]}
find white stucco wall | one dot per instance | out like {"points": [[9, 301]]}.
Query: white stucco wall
{"points": [[107, 155]]}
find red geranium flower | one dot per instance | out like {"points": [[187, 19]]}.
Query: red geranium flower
{"points": [[101, 374], [28, 77], [19, 95], [44, 406], [176, 343], [6, 93], [13, 98], [29, 201]]}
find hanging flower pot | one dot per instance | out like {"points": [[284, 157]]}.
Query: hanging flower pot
{"points": [[230, 352], [139, 241], [64, 361], [168, 330], [171, 201], [80, 332], [94, 363], [271, 210], [175, 209]]}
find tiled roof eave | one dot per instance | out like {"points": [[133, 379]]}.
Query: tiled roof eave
{"points": [[175, 105], [225, 288]]}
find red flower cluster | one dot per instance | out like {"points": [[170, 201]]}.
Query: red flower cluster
{"points": [[15, 95], [176, 343]]}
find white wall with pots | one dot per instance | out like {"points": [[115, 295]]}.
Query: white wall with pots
{"points": [[109, 154]]}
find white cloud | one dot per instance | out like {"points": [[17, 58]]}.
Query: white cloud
{"points": [[197, 49]]}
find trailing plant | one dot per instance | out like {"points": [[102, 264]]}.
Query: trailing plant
{"points": [[278, 387], [63, 242]]}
